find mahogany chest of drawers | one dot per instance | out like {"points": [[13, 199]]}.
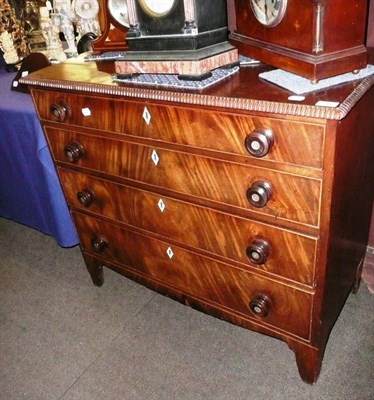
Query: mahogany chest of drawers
{"points": [[233, 200]]}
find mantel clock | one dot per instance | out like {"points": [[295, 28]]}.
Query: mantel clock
{"points": [[312, 38], [176, 24], [172, 36], [113, 18]]}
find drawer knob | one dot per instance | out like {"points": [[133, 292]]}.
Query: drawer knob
{"points": [[85, 197], [258, 143], [259, 194], [73, 151], [258, 251], [260, 305], [59, 111], [99, 244]]}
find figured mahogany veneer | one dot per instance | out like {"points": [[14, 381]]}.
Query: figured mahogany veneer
{"points": [[219, 283], [178, 221], [293, 197], [193, 128], [233, 200]]}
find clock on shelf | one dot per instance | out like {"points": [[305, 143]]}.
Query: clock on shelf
{"points": [[176, 24], [316, 39], [113, 18], [269, 13], [186, 37]]}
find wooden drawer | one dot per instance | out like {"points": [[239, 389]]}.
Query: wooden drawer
{"points": [[231, 288], [272, 250], [293, 197], [294, 142]]}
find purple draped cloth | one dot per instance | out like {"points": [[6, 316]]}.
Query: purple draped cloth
{"points": [[30, 192]]}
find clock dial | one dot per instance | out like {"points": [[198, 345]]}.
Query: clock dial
{"points": [[269, 12], [87, 9], [118, 10], [157, 8]]}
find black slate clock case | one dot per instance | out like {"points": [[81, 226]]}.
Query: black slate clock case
{"points": [[173, 32]]}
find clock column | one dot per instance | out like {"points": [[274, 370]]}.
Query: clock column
{"points": [[190, 26], [133, 19]]}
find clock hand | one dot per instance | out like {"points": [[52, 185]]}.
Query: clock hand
{"points": [[259, 5], [266, 10], [272, 8]]}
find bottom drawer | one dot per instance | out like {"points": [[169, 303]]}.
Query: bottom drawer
{"points": [[251, 296]]}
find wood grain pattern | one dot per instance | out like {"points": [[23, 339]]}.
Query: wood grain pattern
{"points": [[219, 283], [221, 234], [295, 142], [295, 198]]}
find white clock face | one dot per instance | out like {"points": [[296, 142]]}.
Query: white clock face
{"points": [[269, 12], [118, 10], [87, 9], [157, 8]]}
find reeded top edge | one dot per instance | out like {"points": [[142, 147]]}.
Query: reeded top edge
{"points": [[235, 103]]}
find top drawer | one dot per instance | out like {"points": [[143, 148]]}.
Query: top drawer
{"points": [[285, 141]]}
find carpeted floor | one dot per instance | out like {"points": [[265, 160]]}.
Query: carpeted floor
{"points": [[63, 338]]}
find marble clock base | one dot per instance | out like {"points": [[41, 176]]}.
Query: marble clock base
{"points": [[196, 64]]}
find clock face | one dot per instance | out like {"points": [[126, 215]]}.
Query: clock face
{"points": [[157, 8], [269, 12], [118, 10], [87, 9]]}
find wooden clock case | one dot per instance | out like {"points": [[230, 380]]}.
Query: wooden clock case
{"points": [[370, 33], [315, 39], [113, 37]]}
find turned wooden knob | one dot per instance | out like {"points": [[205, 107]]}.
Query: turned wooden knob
{"points": [[85, 197], [259, 194], [260, 305], [59, 111], [258, 143], [73, 151], [258, 251], [99, 244]]}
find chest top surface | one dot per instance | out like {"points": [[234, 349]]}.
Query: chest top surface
{"points": [[242, 91]]}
